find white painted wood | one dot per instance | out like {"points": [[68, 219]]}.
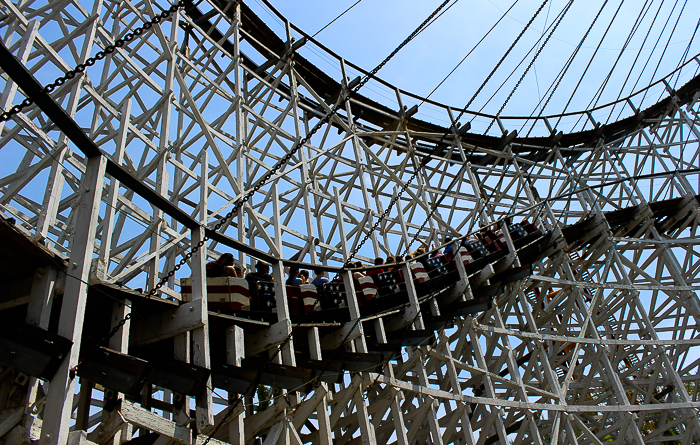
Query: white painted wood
{"points": [[273, 437], [202, 129], [201, 355], [268, 338], [324, 426], [118, 342], [9, 418], [483, 276], [38, 312], [60, 396], [235, 353], [112, 197], [82, 415], [55, 183], [78, 438], [41, 297], [17, 436], [112, 424], [152, 421], [186, 317]]}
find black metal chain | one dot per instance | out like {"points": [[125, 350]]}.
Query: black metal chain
{"points": [[111, 333], [109, 49], [464, 110], [532, 62], [404, 186], [323, 121], [78, 70], [423, 162], [268, 176], [435, 207], [250, 386]]}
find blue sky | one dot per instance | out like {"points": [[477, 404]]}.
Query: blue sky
{"points": [[373, 28]]}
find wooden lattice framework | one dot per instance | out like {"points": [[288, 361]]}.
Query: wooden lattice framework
{"points": [[599, 340]]}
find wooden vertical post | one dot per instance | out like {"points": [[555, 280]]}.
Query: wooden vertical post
{"points": [[324, 424], [162, 180], [366, 427], [59, 400], [396, 412], [38, 312], [239, 78], [404, 229], [235, 353], [294, 99], [360, 162], [181, 348], [83, 410], [200, 336], [120, 342], [111, 208]]}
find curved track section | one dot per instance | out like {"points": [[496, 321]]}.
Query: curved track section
{"points": [[582, 330]]}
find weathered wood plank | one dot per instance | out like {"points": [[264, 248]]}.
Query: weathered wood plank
{"points": [[168, 324]]}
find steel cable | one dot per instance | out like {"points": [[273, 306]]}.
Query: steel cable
{"points": [[539, 51], [590, 61]]}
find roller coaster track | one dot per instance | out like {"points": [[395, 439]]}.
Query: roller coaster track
{"points": [[583, 330], [377, 115]]}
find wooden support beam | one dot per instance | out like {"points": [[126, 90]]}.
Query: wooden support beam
{"points": [[39, 310], [151, 421], [201, 355], [268, 338], [483, 276], [9, 418], [335, 339], [511, 260], [462, 288], [78, 438], [412, 313], [324, 426], [119, 342], [275, 433], [84, 404], [261, 421], [111, 424], [26, 432], [59, 401], [685, 207], [17, 436], [235, 353], [184, 318]]}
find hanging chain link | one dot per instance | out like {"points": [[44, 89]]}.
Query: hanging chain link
{"points": [[78, 70], [262, 181], [109, 49], [269, 175], [323, 121], [532, 62], [111, 333], [424, 161], [464, 110]]}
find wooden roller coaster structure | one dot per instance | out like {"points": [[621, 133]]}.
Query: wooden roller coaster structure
{"points": [[563, 309]]}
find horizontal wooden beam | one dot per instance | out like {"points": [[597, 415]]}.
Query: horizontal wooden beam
{"points": [[9, 418], [152, 421], [267, 338], [350, 331], [168, 324], [110, 425]]}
